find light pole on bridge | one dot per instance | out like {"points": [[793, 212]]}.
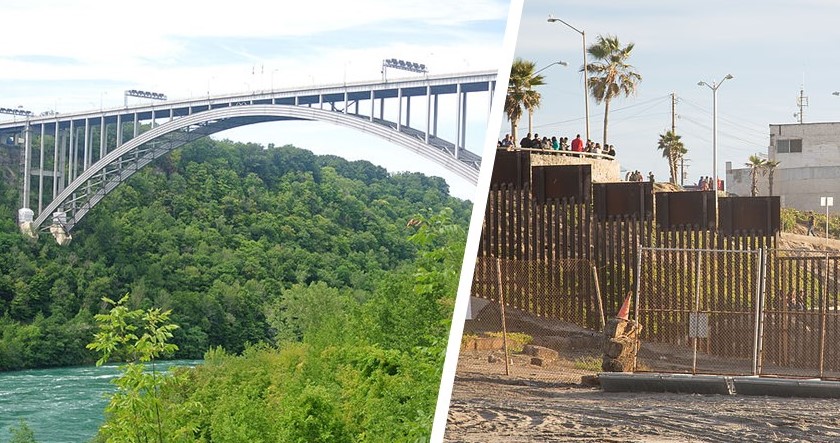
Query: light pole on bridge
{"points": [[143, 94], [403, 65]]}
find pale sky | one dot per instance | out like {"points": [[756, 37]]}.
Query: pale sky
{"points": [[81, 55], [772, 48]]}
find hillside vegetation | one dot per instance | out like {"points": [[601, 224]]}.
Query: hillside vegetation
{"points": [[221, 233]]}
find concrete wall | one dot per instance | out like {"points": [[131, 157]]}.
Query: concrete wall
{"points": [[603, 170]]}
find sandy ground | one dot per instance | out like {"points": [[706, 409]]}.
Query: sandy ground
{"points": [[550, 405]]}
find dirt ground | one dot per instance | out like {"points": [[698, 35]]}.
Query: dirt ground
{"points": [[548, 403], [537, 404]]}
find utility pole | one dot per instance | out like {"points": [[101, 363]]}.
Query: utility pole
{"points": [[801, 102], [674, 131], [674, 112]]}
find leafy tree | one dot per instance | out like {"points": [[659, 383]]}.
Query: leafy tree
{"points": [[757, 166], [672, 149], [610, 75], [770, 166], [521, 92], [22, 433], [136, 413]]}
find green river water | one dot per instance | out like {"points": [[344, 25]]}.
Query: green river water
{"points": [[61, 405]]}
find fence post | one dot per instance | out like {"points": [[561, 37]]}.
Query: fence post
{"points": [[598, 296], [758, 310], [638, 286], [823, 314], [695, 333], [763, 305], [502, 309]]}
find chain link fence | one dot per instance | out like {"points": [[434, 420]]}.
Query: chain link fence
{"points": [[695, 317], [739, 312], [533, 320], [703, 311]]}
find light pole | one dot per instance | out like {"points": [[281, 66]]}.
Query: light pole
{"points": [[714, 87], [552, 19], [558, 62], [531, 111]]}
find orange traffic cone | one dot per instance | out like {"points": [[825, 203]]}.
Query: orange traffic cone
{"points": [[624, 312]]}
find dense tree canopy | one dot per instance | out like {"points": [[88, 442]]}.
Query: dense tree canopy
{"points": [[217, 232]]}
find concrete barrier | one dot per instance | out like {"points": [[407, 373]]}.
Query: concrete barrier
{"points": [[786, 387], [717, 384], [677, 383]]}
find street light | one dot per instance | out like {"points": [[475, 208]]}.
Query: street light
{"points": [[531, 111], [714, 87], [558, 62], [141, 94], [552, 19], [419, 68]]}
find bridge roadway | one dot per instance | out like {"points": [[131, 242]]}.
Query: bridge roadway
{"points": [[72, 160]]}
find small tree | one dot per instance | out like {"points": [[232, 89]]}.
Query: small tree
{"points": [[137, 337], [610, 75], [672, 149], [757, 166], [521, 93], [771, 165], [22, 433]]}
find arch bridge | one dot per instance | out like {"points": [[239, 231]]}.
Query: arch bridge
{"points": [[72, 161]]}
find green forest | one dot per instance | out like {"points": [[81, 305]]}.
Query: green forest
{"points": [[318, 290]]}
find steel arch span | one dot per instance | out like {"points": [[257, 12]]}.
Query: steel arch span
{"points": [[81, 195], [81, 177]]}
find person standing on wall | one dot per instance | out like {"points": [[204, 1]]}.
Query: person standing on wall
{"points": [[577, 144]]}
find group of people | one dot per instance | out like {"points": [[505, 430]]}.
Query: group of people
{"points": [[636, 176], [557, 144], [705, 184]]}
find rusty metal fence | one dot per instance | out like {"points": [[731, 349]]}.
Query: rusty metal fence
{"points": [[531, 319], [739, 312]]}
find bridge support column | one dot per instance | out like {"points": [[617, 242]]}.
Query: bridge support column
{"points": [[27, 165], [428, 110], [86, 147], [464, 122], [25, 217], [41, 169], [408, 111], [399, 109], [458, 121], [62, 237], [56, 140]]}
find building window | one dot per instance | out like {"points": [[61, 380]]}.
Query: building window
{"points": [[789, 146]]}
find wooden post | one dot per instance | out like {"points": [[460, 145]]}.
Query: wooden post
{"points": [[502, 310]]}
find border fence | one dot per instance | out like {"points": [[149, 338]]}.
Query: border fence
{"points": [[713, 292], [770, 312]]}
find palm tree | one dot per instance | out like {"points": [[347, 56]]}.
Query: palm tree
{"points": [[610, 75], [673, 149], [757, 166], [770, 165], [521, 93]]}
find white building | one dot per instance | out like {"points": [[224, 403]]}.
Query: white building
{"points": [[809, 168]]}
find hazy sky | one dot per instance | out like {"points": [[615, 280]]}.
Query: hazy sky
{"points": [[772, 48], [80, 55]]}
